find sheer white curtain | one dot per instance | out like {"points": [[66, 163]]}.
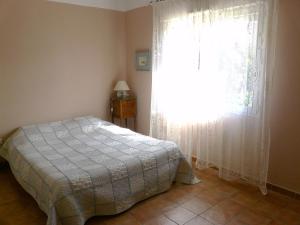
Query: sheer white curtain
{"points": [[211, 85]]}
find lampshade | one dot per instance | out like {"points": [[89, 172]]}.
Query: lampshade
{"points": [[121, 86]]}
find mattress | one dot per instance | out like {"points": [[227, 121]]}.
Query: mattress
{"points": [[83, 167]]}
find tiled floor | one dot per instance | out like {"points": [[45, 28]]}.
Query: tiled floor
{"points": [[211, 202]]}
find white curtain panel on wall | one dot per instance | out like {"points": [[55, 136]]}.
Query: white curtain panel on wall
{"points": [[213, 62]]}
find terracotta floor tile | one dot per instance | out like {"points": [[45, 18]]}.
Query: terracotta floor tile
{"points": [[215, 179], [144, 213], [21, 211], [23, 220], [234, 202], [216, 215], [7, 196], [159, 204], [277, 199], [247, 199], [178, 195], [198, 220], [10, 190], [226, 190], [213, 196], [148, 202], [196, 205], [160, 220], [223, 212], [288, 217], [26, 206], [236, 222], [294, 205], [180, 215], [266, 208], [196, 188], [206, 184], [250, 218], [123, 219], [208, 181], [275, 223]]}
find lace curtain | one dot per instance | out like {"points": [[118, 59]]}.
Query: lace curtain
{"points": [[211, 86]]}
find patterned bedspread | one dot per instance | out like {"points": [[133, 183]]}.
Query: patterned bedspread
{"points": [[79, 168]]}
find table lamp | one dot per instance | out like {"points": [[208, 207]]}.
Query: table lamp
{"points": [[121, 88]]}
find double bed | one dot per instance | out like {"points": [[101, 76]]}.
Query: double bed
{"points": [[83, 167]]}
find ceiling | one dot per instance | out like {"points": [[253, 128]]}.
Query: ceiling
{"points": [[120, 5]]}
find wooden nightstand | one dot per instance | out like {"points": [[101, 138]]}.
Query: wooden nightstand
{"points": [[123, 109]]}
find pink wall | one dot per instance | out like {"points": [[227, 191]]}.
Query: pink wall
{"points": [[139, 37], [284, 168], [285, 146], [57, 61]]}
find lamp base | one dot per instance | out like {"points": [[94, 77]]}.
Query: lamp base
{"points": [[122, 94]]}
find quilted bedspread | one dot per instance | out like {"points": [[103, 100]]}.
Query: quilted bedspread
{"points": [[79, 168]]}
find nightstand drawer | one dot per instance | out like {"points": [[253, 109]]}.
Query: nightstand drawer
{"points": [[124, 108], [128, 108]]}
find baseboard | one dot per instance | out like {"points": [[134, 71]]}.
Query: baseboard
{"points": [[272, 187], [283, 191]]}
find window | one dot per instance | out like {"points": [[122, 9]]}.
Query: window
{"points": [[208, 64]]}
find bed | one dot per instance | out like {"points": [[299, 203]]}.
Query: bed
{"points": [[83, 167]]}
